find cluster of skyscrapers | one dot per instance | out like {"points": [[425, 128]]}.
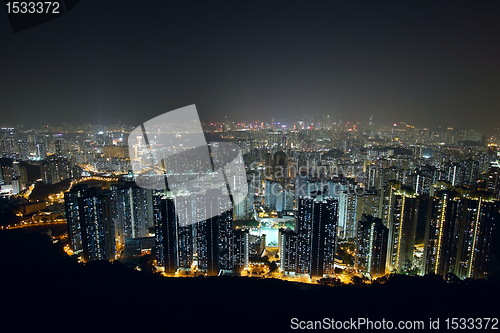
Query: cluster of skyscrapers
{"points": [[403, 199], [457, 228], [101, 222]]}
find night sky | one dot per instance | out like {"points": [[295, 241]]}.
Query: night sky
{"points": [[427, 63]]}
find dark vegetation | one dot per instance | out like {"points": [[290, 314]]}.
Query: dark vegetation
{"points": [[7, 212], [44, 288], [42, 190], [250, 223]]}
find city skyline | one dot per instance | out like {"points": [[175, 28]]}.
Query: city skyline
{"points": [[362, 192], [225, 124]]}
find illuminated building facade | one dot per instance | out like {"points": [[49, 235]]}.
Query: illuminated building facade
{"points": [[166, 233], [402, 229], [386, 193], [425, 178], [348, 203], [367, 204], [324, 232], [284, 201], [241, 249], [214, 236], [272, 190], [494, 180], [288, 250], [459, 233], [90, 225], [139, 246], [303, 228], [481, 218], [371, 246], [300, 186], [133, 211], [55, 169], [244, 206], [442, 234], [279, 165], [72, 207], [211, 244]]}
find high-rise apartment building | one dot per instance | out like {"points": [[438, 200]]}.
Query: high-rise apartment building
{"points": [[459, 233], [72, 206], [368, 204], [166, 229], [90, 225], [288, 250], [303, 228], [371, 246], [402, 229], [132, 211], [323, 242], [241, 249], [55, 169], [272, 190], [214, 236], [316, 229]]}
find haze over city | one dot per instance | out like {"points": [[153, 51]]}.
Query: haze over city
{"points": [[425, 63]]}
